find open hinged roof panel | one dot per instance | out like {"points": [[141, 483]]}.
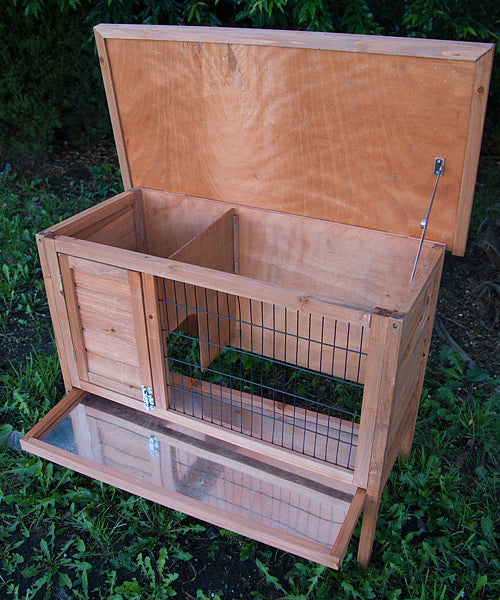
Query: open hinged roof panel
{"points": [[338, 127]]}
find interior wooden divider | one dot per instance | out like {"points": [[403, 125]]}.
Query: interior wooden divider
{"points": [[213, 248]]}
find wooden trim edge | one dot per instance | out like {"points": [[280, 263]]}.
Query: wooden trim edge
{"points": [[472, 151], [347, 529], [109, 87], [315, 40], [53, 417]]}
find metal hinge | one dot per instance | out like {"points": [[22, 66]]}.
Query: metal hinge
{"points": [[154, 445], [147, 397]]}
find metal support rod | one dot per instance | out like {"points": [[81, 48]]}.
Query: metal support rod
{"points": [[438, 170]]}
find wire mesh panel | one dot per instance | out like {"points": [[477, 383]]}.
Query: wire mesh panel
{"points": [[288, 377]]}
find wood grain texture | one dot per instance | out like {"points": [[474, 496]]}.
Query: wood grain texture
{"points": [[74, 321], [55, 298], [80, 425], [414, 350], [113, 233], [292, 39], [54, 416], [107, 322], [140, 234], [349, 524], [478, 111], [109, 86], [367, 536], [213, 248], [383, 353], [317, 256], [230, 283], [172, 220], [92, 217], [141, 335], [157, 349], [339, 134]]}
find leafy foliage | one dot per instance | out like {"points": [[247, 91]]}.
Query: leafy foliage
{"points": [[49, 80]]}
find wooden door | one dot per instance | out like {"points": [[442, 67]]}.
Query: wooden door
{"points": [[106, 318]]}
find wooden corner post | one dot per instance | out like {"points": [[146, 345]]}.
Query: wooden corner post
{"points": [[381, 368]]}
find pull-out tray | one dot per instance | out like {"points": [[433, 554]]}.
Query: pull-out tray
{"points": [[198, 475]]}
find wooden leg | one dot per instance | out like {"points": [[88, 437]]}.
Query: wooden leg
{"points": [[408, 438], [368, 527]]}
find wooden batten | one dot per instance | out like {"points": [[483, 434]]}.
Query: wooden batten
{"points": [[365, 44], [478, 110], [55, 295], [210, 279]]}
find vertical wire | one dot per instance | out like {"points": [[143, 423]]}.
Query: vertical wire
{"points": [[251, 369], [353, 407], [180, 366], [343, 404], [229, 329], [306, 394], [296, 391], [198, 316], [165, 325], [262, 371], [274, 373], [241, 379], [330, 404], [218, 350], [360, 353], [283, 403], [320, 370], [240, 349]]}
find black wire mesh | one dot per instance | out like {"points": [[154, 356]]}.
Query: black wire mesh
{"points": [[286, 377]]}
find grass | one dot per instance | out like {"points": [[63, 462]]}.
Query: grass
{"points": [[67, 537]]}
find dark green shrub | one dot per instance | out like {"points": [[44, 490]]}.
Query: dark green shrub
{"points": [[49, 85]]}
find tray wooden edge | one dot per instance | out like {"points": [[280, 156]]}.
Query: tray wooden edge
{"points": [[329, 557]]}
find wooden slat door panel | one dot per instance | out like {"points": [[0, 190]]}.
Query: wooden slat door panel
{"points": [[106, 316]]}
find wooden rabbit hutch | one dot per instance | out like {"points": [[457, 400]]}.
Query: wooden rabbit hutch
{"points": [[243, 332]]}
